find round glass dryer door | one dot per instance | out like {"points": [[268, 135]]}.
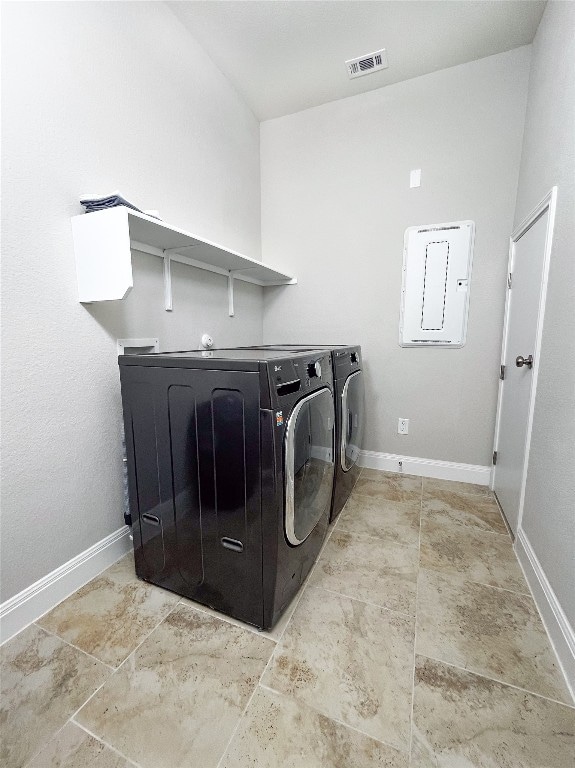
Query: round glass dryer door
{"points": [[309, 464], [352, 420]]}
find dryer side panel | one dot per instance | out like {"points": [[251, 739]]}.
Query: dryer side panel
{"points": [[231, 496], [184, 527], [193, 464], [142, 405]]}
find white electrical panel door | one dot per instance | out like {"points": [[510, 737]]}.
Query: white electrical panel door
{"points": [[435, 290]]}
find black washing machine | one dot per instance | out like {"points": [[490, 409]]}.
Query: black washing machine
{"points": [[349, 396], [230, 473]]}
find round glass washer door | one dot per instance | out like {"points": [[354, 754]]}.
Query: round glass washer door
{"points": [[309, 464], [352, 420]]}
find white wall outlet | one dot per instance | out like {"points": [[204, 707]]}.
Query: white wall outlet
{"points": [[207, 341], [402, 426], [415, 178]]}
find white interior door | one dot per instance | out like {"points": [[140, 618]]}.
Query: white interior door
{"points": [[529, 264]]}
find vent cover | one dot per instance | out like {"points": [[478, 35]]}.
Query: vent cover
{"points": [[364, 65]]}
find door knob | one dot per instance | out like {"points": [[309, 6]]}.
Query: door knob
{"points": [[521, 361]]}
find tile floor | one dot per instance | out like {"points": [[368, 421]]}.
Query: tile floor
{"points": [[415, 642]]}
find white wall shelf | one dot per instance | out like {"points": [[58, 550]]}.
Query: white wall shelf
{"points": [[103, 245]]}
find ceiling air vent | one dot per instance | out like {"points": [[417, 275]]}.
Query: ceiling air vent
{"points": [[364, 65]]}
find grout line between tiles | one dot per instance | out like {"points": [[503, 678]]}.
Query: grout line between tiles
{"points": [[91, 696], [455, 489], [415, 626], [382, 498], [75, 647], [365, 602], [432, 516], [382, 539], [59, 730], [304, 586], [154, 628], [45, 743], [496, 680], [98, 738], [188, 602], [76, 712], [480, 583], [245, 709], [331, 717], [129, 656], [428, 517], [384, 488]]}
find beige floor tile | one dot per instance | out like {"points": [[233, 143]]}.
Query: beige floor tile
{"points": [[112, 614], [44, 681], [489, 631], [349, 660], [123, 571], [388, 485], [477, 555], [72, 747], [177, 699], [396, 520], [278, 731], [366, 568], [430, 484], [475, 511], [462, 720], [409, 482]]}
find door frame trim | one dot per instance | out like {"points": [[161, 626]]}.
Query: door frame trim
{"points": [[549, 202]]}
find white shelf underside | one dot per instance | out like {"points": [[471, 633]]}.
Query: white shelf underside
{"points": [[104, 241]]}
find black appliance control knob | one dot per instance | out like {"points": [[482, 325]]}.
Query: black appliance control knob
{"points": [[314, 369]]}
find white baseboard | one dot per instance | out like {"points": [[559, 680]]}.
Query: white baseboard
{"points": [[411, 465], [40, 597], [556, 623]]}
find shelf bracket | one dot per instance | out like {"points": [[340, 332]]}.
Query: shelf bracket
{"points": [[231, 293], [231, 275], [167, 282], [167, 256]]}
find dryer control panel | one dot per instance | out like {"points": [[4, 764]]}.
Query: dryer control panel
{"points": [[292, 377]]}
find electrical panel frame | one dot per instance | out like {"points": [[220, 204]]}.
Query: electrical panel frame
{"points": [[436, 280]]}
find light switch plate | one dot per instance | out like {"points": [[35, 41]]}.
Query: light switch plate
{"points": [[415, 178]]}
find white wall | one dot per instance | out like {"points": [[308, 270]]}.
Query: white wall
{"points": [[95, 97], [548, 159], [335, 205]]}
